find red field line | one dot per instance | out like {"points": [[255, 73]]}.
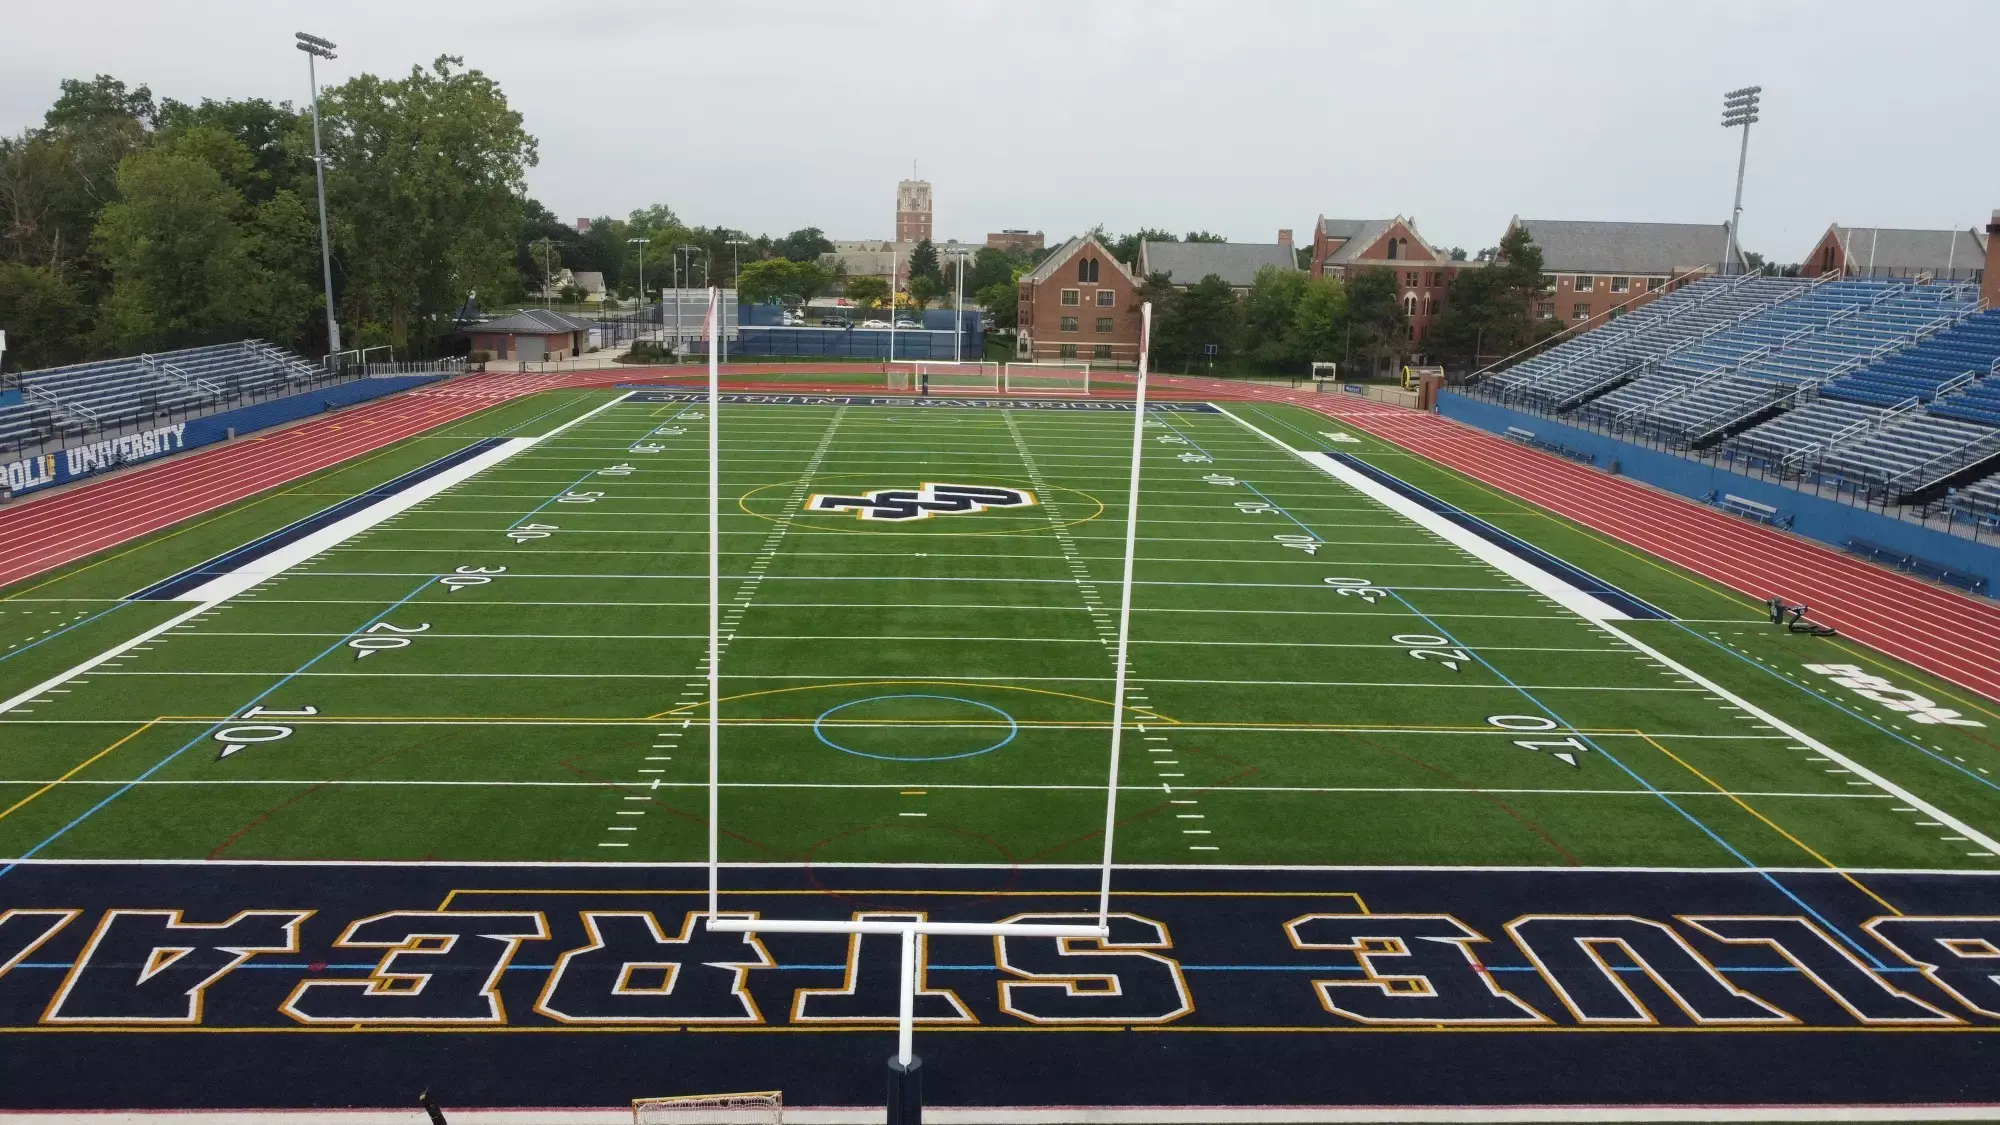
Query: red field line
{"points": [[40, 534], [1948, 634]]}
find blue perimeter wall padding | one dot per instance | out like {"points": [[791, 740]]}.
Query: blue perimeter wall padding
{"points": [[1816, 517], [10, 398], [82, 460]]}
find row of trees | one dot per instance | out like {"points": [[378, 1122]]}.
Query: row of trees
{"points": [[129, 223], [1287, 321]]}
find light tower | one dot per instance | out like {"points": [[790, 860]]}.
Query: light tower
{"points": [[1739, 107], [317, 48]]}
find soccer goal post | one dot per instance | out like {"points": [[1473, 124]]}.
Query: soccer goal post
{"points": [[948, 375], [1048, 378], [761, 1107]]}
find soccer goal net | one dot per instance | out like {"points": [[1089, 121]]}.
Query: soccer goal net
{"points": [[945, 376], [764, 1107], [1048, 378]]}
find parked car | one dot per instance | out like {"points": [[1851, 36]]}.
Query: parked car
{"points": [[874, 323], [793, 320], [835, 322], [906, 324]]}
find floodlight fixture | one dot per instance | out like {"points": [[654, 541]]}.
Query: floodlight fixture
{"points": [[314, 45], [1739, 109], [317, 48]]}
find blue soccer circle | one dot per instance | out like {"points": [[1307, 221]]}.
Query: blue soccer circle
{"points": [[1013, 728]]}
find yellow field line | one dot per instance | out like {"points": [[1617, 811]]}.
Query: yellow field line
{"points": [[1802, 845], [79, 768]]}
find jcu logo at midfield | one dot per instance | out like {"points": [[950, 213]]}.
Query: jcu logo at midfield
{"points": [[922, 503]]}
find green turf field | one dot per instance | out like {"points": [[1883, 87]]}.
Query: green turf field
{"points": [[938, 690]]}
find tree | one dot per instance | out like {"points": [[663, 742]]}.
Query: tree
{"points": [[1375, 312], [1319, 322], [804, 245], [427, 173], [1125, 247], [867, 291], [1494, 311], [1458, 253], [766, 281], [1203, 236], [1002, 302], [275, 138], [1205, 313], [181, 270], [924, 288], [924, 265], [1270, 311], [44, 315]]}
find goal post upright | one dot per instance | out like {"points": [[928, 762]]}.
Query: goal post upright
{"points": [[1124, 616], [714, 603]]}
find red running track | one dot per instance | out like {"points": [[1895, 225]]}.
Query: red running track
{"points": [[39, 534], [1948, 634]]}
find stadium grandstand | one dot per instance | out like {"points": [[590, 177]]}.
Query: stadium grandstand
{"points": [[1881, 387]]}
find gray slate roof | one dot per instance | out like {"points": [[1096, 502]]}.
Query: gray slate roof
{"points": [[534, 322], [1625, 248], [1236, 263], [1068, 250], [1894, 248]]}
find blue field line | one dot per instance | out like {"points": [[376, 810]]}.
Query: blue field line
{"points": [[190, 744], [64, 629], [1849, 711], [1649, 786]]}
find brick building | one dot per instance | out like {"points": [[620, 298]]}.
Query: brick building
{"points": [[1955, 255], [1596, 268], [1342, 248], [1016, 241], [913, 210], [1080, 305]]}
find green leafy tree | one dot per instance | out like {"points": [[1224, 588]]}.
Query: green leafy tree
{"points": [[1125, 247], [804, 245], [1493, 312], [924, 266], [1270, 312], [1186, 322], [993, 266], [1381, 329], [181, 268], [1319, 322], [924, 289], [276, 139], [428, 174], [868, 291], [1203, 236], [1002, 302], [766, 281], [44, 315]]}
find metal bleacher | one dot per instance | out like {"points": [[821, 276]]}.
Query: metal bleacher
{"points": [[61, 402], [1782, 358], [1630, 345]]}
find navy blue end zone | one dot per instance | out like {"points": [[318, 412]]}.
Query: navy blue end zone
{"points": [[648, 393], [169, 588], [1629, 604], [1234, 987]]}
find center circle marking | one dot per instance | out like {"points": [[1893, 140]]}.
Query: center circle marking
{"points": [[1013, 728]]}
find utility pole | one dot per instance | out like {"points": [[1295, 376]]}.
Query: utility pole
{"points": [[1739, 108], [317, 48]]}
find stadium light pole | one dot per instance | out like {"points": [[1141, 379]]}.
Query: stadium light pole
{"points": [[317, 48], [1739, 108], [640, 311], [735, 268]]}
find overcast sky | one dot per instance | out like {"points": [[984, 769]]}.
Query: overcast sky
{"points": [[1235, 116]]}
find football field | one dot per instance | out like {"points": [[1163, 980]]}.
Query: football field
{"points": [[1405, 760], [514, 669]]}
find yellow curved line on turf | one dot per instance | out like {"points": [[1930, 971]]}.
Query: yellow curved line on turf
{"points": [[683, 710], [1746, 807], [743, 502], [77, 769]]}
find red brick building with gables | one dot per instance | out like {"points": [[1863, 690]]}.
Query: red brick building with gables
{"points": [[1080, 305], [1342, 248]]}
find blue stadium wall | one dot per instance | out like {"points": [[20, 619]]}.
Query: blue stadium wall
{"points": [[1829, 521], [761, 332], [86, 458]]}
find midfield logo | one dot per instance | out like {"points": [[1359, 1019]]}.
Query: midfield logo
{"points": [[922, 503]]}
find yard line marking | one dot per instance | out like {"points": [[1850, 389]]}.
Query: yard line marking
{"points": [[76, 769], [101, 658], [1859, 770]]}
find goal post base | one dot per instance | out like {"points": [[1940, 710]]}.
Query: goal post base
{"points": [[906, 1091]]}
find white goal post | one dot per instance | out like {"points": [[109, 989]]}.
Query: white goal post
{"points": [[759, 1107], [944, 375], [1048, 378]]}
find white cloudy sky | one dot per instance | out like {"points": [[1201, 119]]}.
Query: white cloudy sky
{"points": [[1239, 116]]}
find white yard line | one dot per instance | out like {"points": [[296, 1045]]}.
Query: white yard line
{"points": [[1506, 562]]}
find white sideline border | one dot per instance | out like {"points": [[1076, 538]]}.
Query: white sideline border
{"points": [[1059, 1115], [1445, 528], [218, 590], [1585, 605]]}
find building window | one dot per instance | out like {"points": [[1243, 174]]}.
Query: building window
{"points": [[1066, 351], [1106, 298], [1101, 351], [1580, 310], [1546, 310], [1585, 283], [1392, 249], [1653, 284], [1086, 270], [1104, 324], [1826, 260], [1409, 304], [1617, 311], [1071, 297], [1069, 324], [1621, 284]]}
